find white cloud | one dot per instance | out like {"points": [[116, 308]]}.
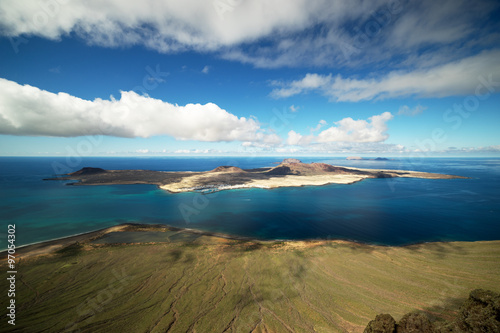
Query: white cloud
{"points": [[407, 111], [294, 108], [347, 130], [27, 110], [321, 123], [262, 145], [166, 26], [296, 139], [286, 150], [205, 70], [155, 79], [350, 130], [427, 22], [364, 33], [456, 78], [309, 82], [296, 32], [293, 138], [194, 151]]}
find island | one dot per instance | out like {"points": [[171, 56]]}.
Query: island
{"points": [[358, 158], [289, 173], [136, 277]]}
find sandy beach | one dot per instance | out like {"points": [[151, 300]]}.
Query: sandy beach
{"points": [[189, 183]]}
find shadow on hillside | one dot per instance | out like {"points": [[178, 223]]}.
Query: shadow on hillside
{"points": [[354, 247], [441, 250], [71, 250], [243, 246], [438, 249], [175, 254], [445, 310]]}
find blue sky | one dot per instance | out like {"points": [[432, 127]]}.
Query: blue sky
{"points": [[385, 78]]}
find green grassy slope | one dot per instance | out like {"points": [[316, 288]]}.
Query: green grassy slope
{"points": [[216, 285]]}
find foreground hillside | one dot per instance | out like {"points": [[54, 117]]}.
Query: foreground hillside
{"points": [[479, 313], [199, 283]]}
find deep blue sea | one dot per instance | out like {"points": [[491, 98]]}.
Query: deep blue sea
{"points": [[378, 211]]}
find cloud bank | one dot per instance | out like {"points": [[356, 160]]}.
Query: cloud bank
{"points": [[456, 78], [346, 130], [332, 33], [27, 110], [166, 26]]}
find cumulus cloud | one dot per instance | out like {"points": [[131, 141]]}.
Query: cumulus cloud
{"points": [[407, 111], [296, 139], [346, 130], [350, 130], [456, 78], [297, 32], [194, 151], [321, 123], [27, 110]]}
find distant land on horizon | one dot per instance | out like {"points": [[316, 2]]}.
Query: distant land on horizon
{"points": [[359, 158]]}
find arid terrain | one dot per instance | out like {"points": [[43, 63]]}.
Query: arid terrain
{"points": [[140, 278]]}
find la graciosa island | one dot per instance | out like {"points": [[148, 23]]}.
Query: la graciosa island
{"points": [[289, 173]]}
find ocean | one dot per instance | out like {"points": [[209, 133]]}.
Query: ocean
{"points": [[377, 211]]}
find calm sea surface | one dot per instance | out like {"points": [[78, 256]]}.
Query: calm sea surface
{"points": [[380, 211]]}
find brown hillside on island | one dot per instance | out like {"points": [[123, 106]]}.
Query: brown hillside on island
{"points": [[227, 168], [290, 172]]}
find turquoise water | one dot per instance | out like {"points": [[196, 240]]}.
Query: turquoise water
{"points": [[380, 211]]}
